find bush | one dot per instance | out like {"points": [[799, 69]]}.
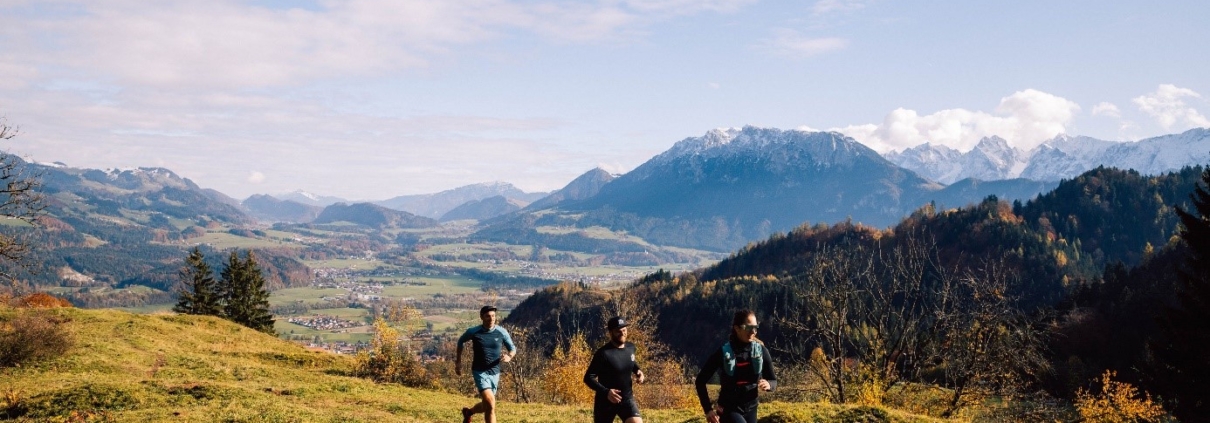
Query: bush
{"points": [[37, 300], [32, 337], [1118, 402], [564, 378], [390, 361]]}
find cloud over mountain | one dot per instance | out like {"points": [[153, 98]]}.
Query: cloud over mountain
{"points": [[1024, 119]]}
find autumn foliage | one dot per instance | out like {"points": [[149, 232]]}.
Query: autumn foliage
{"points": [[564, 378], [390, 360], [35, 300], [1117, 402]]}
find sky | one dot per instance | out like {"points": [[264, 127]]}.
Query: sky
{"points": [[369, 100]]}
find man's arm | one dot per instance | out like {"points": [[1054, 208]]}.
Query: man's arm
{"points": [[590, 375], [508, 343], [458, 355], [637, 371]]}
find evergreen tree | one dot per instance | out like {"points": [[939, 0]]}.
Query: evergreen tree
{"points": [[1181, 350], [247, 300], [199, 293]]}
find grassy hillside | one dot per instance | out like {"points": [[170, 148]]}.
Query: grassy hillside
{"points": [[131, 367]]}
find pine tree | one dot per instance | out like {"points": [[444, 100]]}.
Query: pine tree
{"points": [[199, 293], [246, 299], [1180, 350]]}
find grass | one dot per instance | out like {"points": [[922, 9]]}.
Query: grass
{"points": [[164, 367], [223, 241], [308, 295], [436, 285], [148, 309], [347, 263]]}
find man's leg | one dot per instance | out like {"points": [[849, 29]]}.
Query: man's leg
{"points": [[603, 411], [628, 410], [732, 416], [487, 406]]}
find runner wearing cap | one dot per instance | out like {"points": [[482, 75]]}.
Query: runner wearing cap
{"points": [[609, 374], [487, 341]]}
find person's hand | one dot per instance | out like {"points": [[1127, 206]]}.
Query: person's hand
{"points": [[712, 417], [642, 378], [458, 368], [764, 385], [615, 396], [506, 358]]}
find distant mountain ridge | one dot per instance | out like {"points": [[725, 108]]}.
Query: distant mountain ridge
{"points": [[304, 197], [438, 204], [146, 189], [486, 208], [372, 215], [583, 187], [267, 208], [1062, 157]]}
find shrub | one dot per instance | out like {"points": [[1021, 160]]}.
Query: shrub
{"points": [[39, 300], [564, 378], [32, 337], [1118, 402], [391, 361]]}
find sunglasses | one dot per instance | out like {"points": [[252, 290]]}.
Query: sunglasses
{"points": [[748, 327]]}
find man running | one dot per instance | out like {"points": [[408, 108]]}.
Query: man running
{"points": [[609, 375], [487, 340]]}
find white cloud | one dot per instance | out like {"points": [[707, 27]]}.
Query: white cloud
{"points": [[1106, 108], [256, 177], [713, 85], [1024, 119], [790, 43], [1167, 106], [232, 44]]}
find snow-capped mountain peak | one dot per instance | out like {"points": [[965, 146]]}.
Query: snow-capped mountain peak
{"points": [[1064, 156]]}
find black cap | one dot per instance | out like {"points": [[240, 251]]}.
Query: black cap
{"points": [[486, 309], [617, 323]]}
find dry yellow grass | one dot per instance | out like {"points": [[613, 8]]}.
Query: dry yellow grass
{"points": [[165, 367]]}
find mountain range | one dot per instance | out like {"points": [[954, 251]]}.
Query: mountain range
{"points": [[717, 191], [436, 205], [731, 186], [1062, 157]]}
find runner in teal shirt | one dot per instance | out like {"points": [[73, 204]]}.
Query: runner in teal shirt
{"points": [[488, 342]]}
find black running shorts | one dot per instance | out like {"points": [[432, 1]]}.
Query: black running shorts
{"points": [[604, 411]]}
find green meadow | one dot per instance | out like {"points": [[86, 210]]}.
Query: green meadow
{"points": [[127, 367]]}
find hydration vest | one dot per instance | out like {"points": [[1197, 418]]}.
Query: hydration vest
{"points": [[758, 356]]}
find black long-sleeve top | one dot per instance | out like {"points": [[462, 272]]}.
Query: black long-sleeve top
{"points": [[610, 368], [740, 390]]}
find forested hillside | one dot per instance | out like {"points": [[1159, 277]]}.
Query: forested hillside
{"points": [[1073, 283]]}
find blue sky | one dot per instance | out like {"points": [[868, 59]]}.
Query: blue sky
{"points": [[372, 99]]}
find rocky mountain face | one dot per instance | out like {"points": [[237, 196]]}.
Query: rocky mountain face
{"points": [[747, 183], [1060, 158], [436, 205]]}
